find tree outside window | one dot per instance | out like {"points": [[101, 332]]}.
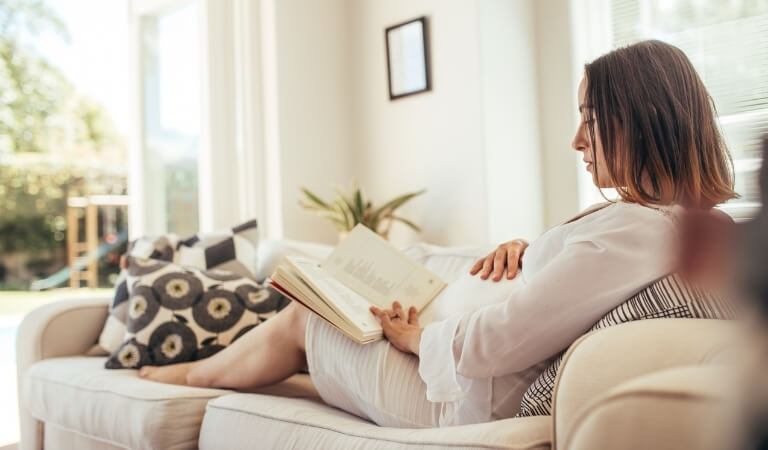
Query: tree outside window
{"points": [[55, 143]]}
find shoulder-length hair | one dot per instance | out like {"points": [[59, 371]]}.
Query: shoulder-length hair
{"points": [[657, 124]]}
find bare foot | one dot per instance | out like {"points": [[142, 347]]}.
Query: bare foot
{"points": [[171, 374]]}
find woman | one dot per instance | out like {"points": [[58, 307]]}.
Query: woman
{"points": [[647, 129]]}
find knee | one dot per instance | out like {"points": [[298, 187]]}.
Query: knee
{"points": [[298, 315], [297, 312]]}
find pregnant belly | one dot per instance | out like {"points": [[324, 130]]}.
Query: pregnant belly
{"points": [[469, 293]]}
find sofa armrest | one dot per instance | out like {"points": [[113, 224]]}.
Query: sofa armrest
{"points": [[682, 407], [63, 328], [599, 361]]}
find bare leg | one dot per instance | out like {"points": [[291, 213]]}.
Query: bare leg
{"points": [[265, 355]]}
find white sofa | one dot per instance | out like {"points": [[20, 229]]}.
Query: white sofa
{"points": [[610, 382]]}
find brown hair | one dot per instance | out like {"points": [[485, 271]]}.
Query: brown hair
{"points": [[657, 124]]}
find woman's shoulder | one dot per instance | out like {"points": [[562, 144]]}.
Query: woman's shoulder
{"points": [[658, 211], [626, 217]]}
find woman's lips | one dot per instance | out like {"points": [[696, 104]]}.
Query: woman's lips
{"points": [[589, 166]]}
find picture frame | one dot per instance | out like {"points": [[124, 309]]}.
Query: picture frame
{"points": [[408, 70]]}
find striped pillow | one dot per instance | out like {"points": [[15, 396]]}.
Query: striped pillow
{"points": [[668, 297]]}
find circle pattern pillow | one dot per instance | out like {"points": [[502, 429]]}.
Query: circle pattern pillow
{"points": [[225, 254], [177, 314]]}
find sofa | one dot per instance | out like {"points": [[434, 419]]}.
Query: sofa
{"points": [[615, 389]]}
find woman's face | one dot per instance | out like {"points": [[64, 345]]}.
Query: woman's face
{"points": [[582, 142]]}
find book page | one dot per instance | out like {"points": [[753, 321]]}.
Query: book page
{"points": [[347, 303], [315, 303], [367, 264]]}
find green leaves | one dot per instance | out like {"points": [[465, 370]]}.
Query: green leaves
{"points": [[389, 208], [346, 211], [40, 110], [314, 199]]}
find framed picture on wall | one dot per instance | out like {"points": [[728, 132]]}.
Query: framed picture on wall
{"points": [[407, 58]]}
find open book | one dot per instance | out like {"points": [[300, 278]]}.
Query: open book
{"points": [[363, 270]]}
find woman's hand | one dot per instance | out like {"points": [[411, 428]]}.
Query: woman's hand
{"points": [[508, 255], [401, 331]]}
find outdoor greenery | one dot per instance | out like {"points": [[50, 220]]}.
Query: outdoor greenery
{"points": [[346, 211], [40, 111], [54, 142], [33, 202]]}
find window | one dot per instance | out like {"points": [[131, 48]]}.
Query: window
{"points": [[63, 130], [727, 41], [185, 169], [171, 85]]}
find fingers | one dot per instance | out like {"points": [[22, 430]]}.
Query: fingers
{"points": [[478, 265], [513, 256], [413, 316], [381, 314], [386, 316], [498, 263], [507, 258], [397, 308], [487, 266]]}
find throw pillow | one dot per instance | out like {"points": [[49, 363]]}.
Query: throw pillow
{"points": [[160, 248], [668, 297], [233, 250], [178, 314]]}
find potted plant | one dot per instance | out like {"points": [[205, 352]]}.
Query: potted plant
{"points": [[346, 211]]}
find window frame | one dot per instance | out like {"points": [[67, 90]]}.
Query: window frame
{"points": [[231, 156]]}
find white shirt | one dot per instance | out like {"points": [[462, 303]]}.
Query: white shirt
{"points": [[571, 276]]}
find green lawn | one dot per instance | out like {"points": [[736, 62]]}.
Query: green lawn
{"points": [[21, 302]]}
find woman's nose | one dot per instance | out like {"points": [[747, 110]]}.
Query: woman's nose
{"points": [[580, 142]]}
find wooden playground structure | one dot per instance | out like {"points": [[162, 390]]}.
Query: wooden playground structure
{"points": [[89, 247]]}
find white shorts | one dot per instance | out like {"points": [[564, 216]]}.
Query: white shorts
{"points": [[374, 381]]}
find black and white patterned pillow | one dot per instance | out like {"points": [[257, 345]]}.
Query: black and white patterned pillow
{"points": [[668, 297], [178, 314], [233, 250]]}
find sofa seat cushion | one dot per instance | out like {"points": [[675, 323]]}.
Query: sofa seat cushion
{"points": [[119, 408], [115, 406], [273, 422]]}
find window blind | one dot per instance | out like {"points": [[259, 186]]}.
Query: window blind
{"points": [[727, 42]]}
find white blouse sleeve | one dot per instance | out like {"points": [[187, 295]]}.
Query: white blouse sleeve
{"points": [[599, 266]]}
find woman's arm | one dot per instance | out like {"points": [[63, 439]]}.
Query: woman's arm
{"points": [[597, 268]]}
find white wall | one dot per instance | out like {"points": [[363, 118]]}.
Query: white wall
{"points": [[311, 80], [459, 141], [556, 70], [490, 142], [430, 140], [510, 120]]}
